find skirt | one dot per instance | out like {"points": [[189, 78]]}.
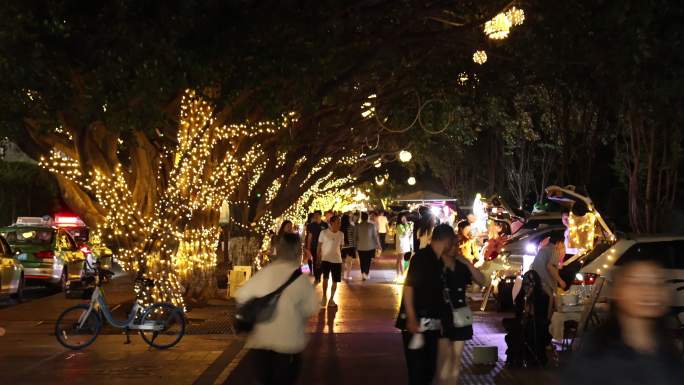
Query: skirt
{"points": [[457, 334]]}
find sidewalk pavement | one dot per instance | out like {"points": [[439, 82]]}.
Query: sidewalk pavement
{"points": [[354, 344], [30, 354], [358, 344]]}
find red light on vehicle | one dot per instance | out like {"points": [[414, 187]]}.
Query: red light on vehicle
{"points": [[45, 254], [68, 220], [587, 279]]}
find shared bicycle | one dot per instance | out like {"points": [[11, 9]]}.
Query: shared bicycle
{"points": [[161, 325]]}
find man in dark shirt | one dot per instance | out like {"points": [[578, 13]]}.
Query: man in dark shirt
{"points": [[422, 305], [313, 231]]}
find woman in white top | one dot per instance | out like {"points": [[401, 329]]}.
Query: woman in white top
{"points": [[403, 243], [276, 344]]}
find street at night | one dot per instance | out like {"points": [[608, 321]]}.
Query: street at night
{"points": [[380, 192]]}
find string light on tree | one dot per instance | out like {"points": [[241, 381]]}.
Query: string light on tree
{"points": [[175, 241], [368, 107], [499, 27], [516, 16]]}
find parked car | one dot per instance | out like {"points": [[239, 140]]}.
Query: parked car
{"points": [[90, 245], [667, 250], [519, 251], [49, 255], [11, 272]]}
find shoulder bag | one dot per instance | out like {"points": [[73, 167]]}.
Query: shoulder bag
{"points": [[260, 309]]}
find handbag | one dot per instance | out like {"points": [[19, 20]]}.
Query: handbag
{"points": [[462, 316], [260, 309]]}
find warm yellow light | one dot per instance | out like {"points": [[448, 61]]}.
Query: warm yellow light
{"points": [[480, 57], [499, 27], [411, 181], [516, 16], [405, 156]]}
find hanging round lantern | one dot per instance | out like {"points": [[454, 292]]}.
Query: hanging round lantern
{"points": [[405, 156]]}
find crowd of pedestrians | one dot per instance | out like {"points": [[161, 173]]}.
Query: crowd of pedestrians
{"points": [[435, 317]]}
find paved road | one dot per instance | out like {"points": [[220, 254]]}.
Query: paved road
{"points": [[29, 353], [356, 344], [31, 293]]}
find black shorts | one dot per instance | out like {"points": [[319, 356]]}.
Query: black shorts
{"points": [[349, 252], [334, 269]]}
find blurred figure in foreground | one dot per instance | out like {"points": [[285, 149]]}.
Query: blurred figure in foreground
{"points": [[632, 346], [276, 345]]}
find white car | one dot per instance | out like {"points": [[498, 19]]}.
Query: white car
{"points": [[667, 250], [11, 272]]}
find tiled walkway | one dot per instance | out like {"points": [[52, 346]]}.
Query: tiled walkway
{"points": [[358, 344]]}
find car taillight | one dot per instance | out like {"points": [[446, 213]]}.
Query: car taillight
{"points": [[46, 254], [585, 279], [589, 278]]}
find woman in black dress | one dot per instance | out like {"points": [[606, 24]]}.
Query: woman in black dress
{"points": [[457, 326]]}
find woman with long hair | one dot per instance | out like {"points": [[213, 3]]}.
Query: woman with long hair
{"points": [[457, 327], [632, 346], [424, 230], [403, 243], [285, 228]]}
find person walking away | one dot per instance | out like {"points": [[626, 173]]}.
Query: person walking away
{"points": [[330, 244], [633, 345], [546, 266], [307, 250], [457, 327], [313, 233], [367, 244], [382, 222], [403, 242], [349, 248], [276, 345], [422, 307]]}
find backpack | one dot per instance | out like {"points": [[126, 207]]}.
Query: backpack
{"points": [[260, 309]]}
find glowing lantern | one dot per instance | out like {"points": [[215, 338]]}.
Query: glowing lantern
{"points": [[405, 156], [480, 57]]}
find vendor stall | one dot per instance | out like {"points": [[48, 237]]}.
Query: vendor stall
{"points": [[444, 208]]}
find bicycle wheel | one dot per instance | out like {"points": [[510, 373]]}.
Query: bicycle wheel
{"points": [[73, 332], [171, 321]]}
